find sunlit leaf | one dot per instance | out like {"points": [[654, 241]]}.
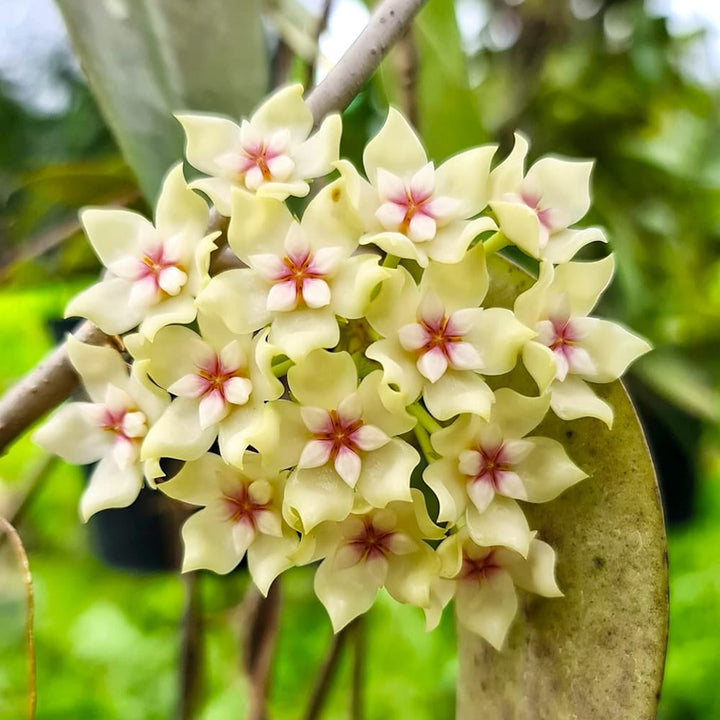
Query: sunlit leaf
{"points": [[599, 651]]}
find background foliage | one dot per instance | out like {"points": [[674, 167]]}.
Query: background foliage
{"points": [[583, 78]]}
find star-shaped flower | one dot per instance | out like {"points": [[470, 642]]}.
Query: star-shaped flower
{"points": [[370, 549], [485, 578], [272, 154], [341, 438], [572, 349], [300, 275], [109, 429], [535, 211], [437, 341], [409, 208], [241, 512], [221, 381], [154, 271], [492, 462]]}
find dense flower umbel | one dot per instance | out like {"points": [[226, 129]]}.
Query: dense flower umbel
{"points": [[350, 368]]}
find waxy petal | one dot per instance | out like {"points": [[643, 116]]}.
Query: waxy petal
{"points": [[396, 148], [503, 523], [349, 592], [547, 471], [208, 138], [110, 487], [315, 454], [72, 433], [323, 379], [237, 390], [107, 305], [458, 391], [574, 399], [487, 607], [465, 178], [316, 495], [385, 474], [303, 330], [209, 543], [564, 188], [348, 465]]}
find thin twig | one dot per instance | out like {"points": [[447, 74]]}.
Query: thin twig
{"points": [[326, 675], [388, 22], [191, 649], [27, 579], [262, 629], [54, 379], [15, 508]]}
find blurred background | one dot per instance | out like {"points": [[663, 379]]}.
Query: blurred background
{"points": [[634, 84]]}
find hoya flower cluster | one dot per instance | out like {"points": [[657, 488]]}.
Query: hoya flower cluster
{"points": [[332, 386]]}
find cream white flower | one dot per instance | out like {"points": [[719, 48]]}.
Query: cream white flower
{"points": [[409, 208], [535, 210], [341, 439], [300, 275], [485, 460], [437, 341], [485, 579], [370, 549], [272, 154], [154, 271], [221, 382], [109, 429], [572, 349], [241, 513]]}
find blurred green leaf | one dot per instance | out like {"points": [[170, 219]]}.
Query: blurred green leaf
{"points": [[149, 58]]}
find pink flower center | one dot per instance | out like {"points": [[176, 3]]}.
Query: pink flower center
{"points": [[371, 542], [441, 333], [241, 507], [298, 269], [491, 464], [533, 202], [341, 433], [214, 375], [414, 202], [563, 338], [479, 568], [113, 421], [258, 155], [153, 263]]}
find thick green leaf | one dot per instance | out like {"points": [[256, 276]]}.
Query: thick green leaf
{"points": [[146, 59], [599, 651]]}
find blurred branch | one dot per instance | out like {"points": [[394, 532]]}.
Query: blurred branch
{"points": [[262, 628], [46, 240], [27, 580], [191, 649], [54, 379], [311, 65], [326, 674], [43, 388], [405, 61]]}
